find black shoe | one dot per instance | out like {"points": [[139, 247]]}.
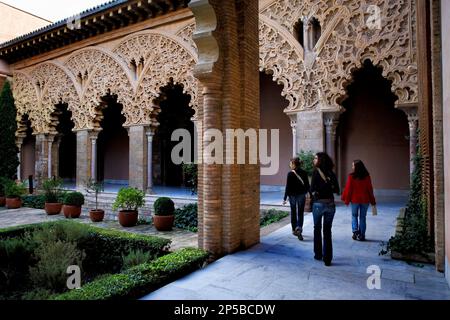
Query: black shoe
{"points": [[300, 237], [327, 263], [318, 258], [355, 235], [361, 238]]}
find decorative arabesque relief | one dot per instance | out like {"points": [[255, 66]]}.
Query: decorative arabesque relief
{"points": [[162, 59], [321, 77], [134, 72]]}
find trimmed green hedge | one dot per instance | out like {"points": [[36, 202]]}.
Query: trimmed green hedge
{"points": [[140, 280], [104, 248]]}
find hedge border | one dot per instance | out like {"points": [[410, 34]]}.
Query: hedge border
{"points": [[140, 280]]}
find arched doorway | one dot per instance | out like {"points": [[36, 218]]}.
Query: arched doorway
{"points": [[273, 117], [67, 142], [373, 130], [28, 151], [113, 144], [175, 114]]}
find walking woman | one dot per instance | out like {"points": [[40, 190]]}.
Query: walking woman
{"points": [[324, 185], [359, 192], [297, 187]]}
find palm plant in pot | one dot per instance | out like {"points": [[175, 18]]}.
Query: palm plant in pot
{"points": [[14, 191], [52, 194], [73, 201], [164, 214], [95, 187], [129, 200]]}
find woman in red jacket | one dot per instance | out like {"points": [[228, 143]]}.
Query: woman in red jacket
{"points": [[359, 192]]}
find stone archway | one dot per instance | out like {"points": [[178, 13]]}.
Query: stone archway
{"points": [[373, 130]]}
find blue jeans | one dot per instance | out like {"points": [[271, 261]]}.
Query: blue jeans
{"points": [[359, 211], [325, 211], [297, 211]]}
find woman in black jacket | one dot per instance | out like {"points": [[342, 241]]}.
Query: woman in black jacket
{"points": [[297, 187], [324, 185]]}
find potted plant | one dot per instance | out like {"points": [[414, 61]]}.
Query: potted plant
{"points": [[52, 194], [95, 187], [14, 192], [164, 214], [72, 204], [129, 200]]}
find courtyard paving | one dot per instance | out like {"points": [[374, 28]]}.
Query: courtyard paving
{"points": [[180, 238], [283, 268]]}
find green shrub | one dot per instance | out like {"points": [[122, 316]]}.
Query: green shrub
{"points": [[74, 199], [15, 257], [8, 128], [15, 190], [53, 260], [52, 190], [140, 280], [414, 237], [191, 176], [134, 258], [38, 294], [164, 207], [187, 217], [272, 216], [35, 202], [129, 199], [307, 161]]}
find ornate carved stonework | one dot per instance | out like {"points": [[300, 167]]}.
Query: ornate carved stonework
{"points": [[134, 71], [312, 79], [347, 40]]}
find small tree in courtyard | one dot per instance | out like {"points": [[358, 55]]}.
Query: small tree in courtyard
{"points": [[8, 127]]}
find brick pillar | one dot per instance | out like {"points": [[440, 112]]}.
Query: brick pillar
{"points": [[227, 38], [84, 151], [138, 157]]}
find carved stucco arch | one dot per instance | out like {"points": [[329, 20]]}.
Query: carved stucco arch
{"points": [[158, 58], [346, 42], [55, 84], [26, 101], [98, 73]]}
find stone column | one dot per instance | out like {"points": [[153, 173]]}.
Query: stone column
{"points": [[19, 142], [84, 150], [413, 122], [138, 168], [41, 159], [55, 156], [295, 150], [93, 138], [331, 121], [50, 140], [150, 134]]}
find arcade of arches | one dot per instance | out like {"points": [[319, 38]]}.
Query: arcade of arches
{"points": [[115, 98]]}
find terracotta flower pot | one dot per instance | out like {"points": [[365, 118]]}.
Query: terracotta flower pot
{"points": [[2, 201], [128, 218], [13, 203], [97, 215], [53, 208], [163, 223], [72, 212]]}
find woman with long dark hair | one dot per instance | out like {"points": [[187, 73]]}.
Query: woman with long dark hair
{"points": [[324, 185], [359, 193], [297, 186]]}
